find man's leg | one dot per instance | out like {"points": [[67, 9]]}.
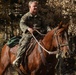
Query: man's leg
{"points": [[22, 48]]}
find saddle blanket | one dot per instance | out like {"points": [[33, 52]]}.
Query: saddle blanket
{"points": [[13, 41]]}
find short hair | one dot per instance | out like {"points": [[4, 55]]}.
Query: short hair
{"points": [[30, 2]]}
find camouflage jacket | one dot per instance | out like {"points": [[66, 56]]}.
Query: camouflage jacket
{"points": [[32, 21]]}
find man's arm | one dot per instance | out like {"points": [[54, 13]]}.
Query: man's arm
{"points": [[23, 25]]}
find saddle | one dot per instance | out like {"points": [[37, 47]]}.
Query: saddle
{"points": [[30, 46], [13, 45]]}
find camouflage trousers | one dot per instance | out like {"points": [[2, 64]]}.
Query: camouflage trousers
{"points": [[23, 44]]}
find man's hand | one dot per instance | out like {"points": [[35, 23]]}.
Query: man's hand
{"points": [[30, 30]]}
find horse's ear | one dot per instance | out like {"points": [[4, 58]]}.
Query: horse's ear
{"points": [[60, 25], [66, 26]]}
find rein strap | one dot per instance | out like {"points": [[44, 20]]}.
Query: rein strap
{"points": [[49, 52]]}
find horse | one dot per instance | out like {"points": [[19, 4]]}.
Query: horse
{"points": [[42, 59]]}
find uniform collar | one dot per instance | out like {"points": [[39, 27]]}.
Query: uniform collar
{"points": [[33, 15]]}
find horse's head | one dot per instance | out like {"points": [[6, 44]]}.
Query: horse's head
{"points": [[61, 39], [57, 40]]}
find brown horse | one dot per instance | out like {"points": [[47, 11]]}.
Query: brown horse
{"points": [[42, 60]]}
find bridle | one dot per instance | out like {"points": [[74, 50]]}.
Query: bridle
{"points": [[59, 45]]}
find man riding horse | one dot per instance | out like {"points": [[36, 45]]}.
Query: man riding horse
{"points": [[29, 22]]}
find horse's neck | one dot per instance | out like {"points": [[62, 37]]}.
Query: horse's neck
{"points": [[47, 41]]}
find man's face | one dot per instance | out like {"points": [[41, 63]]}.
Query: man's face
{"points": [[34, 7]]}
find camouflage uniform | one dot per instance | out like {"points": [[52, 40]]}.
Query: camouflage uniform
{"points": [[32, 21]]}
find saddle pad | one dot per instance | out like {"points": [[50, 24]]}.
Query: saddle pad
{"points": [[13, 41]]}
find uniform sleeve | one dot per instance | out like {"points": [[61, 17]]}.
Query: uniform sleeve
{"points": [[23, 24]]}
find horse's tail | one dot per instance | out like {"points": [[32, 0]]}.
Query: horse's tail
{"points": [[4, 58]]}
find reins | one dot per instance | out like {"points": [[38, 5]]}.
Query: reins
{"points": [[40, 33], [49, 52]]}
